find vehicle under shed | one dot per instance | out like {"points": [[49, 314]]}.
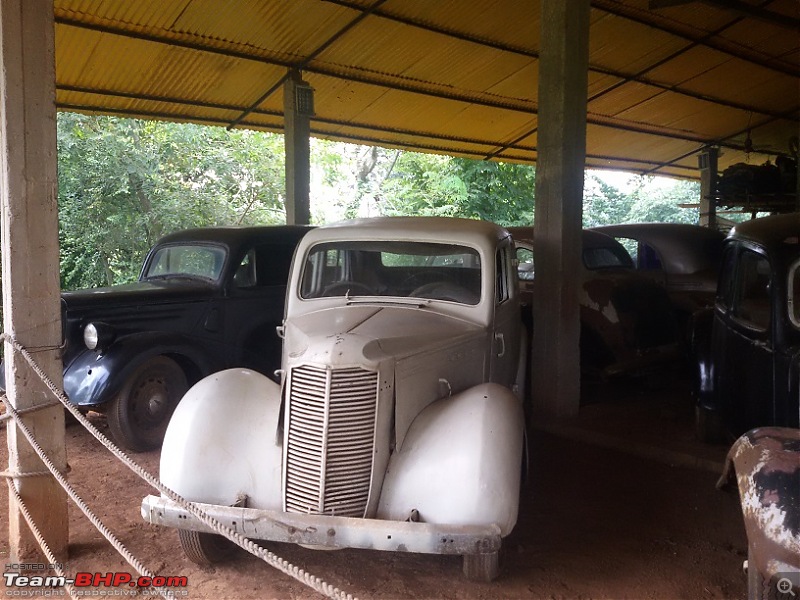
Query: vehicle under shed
{"points": [[596, 521]]}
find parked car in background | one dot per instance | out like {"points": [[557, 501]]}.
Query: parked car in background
{"points": [[397, 424], [628, 323], [683, 258], [748, 344], [206, 299]]}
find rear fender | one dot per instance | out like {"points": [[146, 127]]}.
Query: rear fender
{"points": [[221, 444], [460, 462]]}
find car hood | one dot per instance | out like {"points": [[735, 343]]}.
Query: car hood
{"points": [[372, 333], [422, 355], [138, 293]]}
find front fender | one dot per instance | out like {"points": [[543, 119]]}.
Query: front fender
{"points": [[460, 462], [92, 379], [221, 443]]}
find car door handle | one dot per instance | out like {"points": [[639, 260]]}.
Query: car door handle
{"points": [[501, 338]]}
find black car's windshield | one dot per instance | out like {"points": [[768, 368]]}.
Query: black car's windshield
{"points": [[393, 269], [186, 260]]}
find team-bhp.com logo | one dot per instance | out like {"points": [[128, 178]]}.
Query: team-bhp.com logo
{"points": [[92, 584]]}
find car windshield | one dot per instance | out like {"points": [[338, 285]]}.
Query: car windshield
{"points": [[194, 261], [446, 272]]}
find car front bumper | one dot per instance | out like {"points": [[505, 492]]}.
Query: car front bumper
{"points": [[330, 532]]}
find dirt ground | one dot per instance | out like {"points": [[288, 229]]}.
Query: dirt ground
{"points": [[594, 523]]}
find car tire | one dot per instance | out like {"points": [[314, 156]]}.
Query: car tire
{"points": [[139, 415], [205, 549], [482, 568]]}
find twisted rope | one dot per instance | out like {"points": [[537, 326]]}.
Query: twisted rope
{"points": [[40, 538], [284, 566]]}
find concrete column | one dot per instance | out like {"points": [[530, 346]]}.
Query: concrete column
{"points": [[563, 89], [31, 302], [298, 108], [708, 162]]}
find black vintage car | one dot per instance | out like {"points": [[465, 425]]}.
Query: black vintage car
{"points": [[748, 345], [206, 300]]}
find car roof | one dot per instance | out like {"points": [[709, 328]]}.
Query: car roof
{"points": [[430, 229], [682, 247], [589, 237], [778, 233], [236, 237]]}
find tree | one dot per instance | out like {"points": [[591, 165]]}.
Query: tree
{"points": [[124, 182]]}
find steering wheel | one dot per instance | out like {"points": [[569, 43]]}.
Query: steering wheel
{"points": [[348, 288], [426, 276], [445, 290]]}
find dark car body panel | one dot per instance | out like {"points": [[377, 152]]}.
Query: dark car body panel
{"points": [[750, 375], [201, 324]]}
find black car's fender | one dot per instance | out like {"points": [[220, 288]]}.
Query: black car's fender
{"points": [[92, 379]]}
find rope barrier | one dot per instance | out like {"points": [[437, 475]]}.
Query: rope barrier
{"points": [[105, 531], [39, 537], [265, 555]]}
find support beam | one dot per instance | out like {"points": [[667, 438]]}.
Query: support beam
{"points": [[708, 162], [31, 301], [298, 108], [563, 89]]}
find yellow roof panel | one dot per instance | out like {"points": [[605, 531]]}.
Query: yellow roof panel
{"points": [[451, 76]]}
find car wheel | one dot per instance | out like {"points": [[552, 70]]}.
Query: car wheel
{"points": [[139, 415], [483, 568], [205, 549]]}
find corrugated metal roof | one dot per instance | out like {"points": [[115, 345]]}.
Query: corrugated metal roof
{"points": [[450, 76]]}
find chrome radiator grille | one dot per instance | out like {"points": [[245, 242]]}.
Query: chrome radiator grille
{"points": [[330, 440]]}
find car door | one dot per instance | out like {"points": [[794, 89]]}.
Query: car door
{"points": [[743, 342], [254, 307]]}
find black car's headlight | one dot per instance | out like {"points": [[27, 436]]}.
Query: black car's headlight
{"points": [[98, 336]]}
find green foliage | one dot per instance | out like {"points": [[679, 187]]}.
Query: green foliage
{"points": [[124, 183]]}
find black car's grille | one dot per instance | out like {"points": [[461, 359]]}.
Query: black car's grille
{"points": [[330, 440]]}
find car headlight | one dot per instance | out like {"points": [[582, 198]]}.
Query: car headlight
{"points": [[97, 336]]}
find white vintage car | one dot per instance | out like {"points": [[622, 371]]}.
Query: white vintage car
{"points": [[397, 424]]}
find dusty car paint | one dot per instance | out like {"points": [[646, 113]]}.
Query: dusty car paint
{"points": [[398, 415], [627, 320], [766, 465]]}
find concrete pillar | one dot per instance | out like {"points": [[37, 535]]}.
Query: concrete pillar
{"points": [[708, 162], [563, 89], [298, 108], [31, 302]]}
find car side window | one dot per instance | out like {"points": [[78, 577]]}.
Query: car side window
{"points": [[752, 293], [245, 275], [525, 263], [502, 292], [727, 277], [264, 265]]}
